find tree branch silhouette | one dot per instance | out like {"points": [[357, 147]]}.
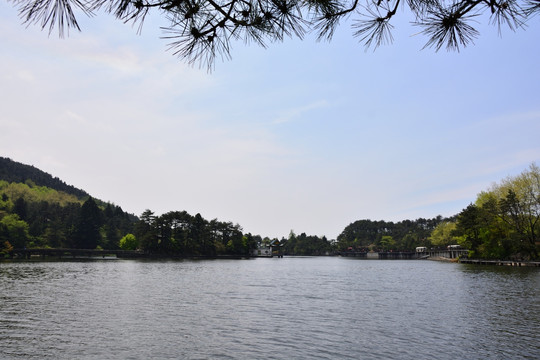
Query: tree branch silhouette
{"points": [[198, 31]]}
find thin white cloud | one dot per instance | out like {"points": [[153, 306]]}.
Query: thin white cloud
{"points": [[297, 112], [80, 120], [26, 76]]}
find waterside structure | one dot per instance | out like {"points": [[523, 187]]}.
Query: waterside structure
{"points": [[94, 254], [452, 253], [271, 249], [66, 253], [500, 262]]}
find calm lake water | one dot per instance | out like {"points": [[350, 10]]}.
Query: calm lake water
{"points": [[291, 308]]}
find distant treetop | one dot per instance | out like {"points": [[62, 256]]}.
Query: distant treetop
{"points": [[201, 30]]}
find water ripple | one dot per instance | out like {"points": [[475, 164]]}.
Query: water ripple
{"points": [[299, 308]]}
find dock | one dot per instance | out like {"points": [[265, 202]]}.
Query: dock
{"points": [[500, 262], [406, 255]]}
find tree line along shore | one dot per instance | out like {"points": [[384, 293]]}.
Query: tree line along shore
{"points": [[41, 211]]}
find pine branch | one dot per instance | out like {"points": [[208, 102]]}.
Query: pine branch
{"points": [[204, 30]]}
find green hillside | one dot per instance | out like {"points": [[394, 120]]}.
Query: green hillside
{"points": [[12, 171], [39, 210]]}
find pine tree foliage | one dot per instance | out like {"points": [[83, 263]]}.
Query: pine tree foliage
{"points": [[201, 30]]}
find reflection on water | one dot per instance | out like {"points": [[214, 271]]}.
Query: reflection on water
{"points": [[300, 308]]}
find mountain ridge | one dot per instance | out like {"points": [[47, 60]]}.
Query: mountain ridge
{"points": [[14, 171]]}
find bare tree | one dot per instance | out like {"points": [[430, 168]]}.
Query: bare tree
{"points": [[201, 30]]}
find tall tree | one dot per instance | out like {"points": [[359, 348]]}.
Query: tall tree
{"points": [[469, 225], [199, 235], [200, 30], [87, 229], [523, 223], [20, 208], [146, 231]]}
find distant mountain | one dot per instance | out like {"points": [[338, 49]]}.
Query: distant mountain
{"points": [[12, 171]]}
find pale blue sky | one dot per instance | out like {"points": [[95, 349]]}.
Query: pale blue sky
{"points": [[305, 136]]}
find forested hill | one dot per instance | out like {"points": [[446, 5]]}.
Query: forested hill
{"points": [[12, 171], [39, 210]]}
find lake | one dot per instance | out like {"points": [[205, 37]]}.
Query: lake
{"points": [[268, 308]]}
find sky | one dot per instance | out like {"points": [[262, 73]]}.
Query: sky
{"points": [[303, 135]]}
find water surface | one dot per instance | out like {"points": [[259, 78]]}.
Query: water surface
{"points": [[291, 308]]}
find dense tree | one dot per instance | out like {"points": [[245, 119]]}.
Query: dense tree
{"points": [[505, 220], [6, 205], [116, 224], [405, 235], [20, 208], [55, 219], [469, 225], [307, 245], [250, 241], [87, 233], [29, 192], [178, 233], [519, 207], [146, 231], [52, 210], [14, 230], [387, 243], [129, 242], [443, 234], [199, 235], [12, 171], [200, 30]]}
